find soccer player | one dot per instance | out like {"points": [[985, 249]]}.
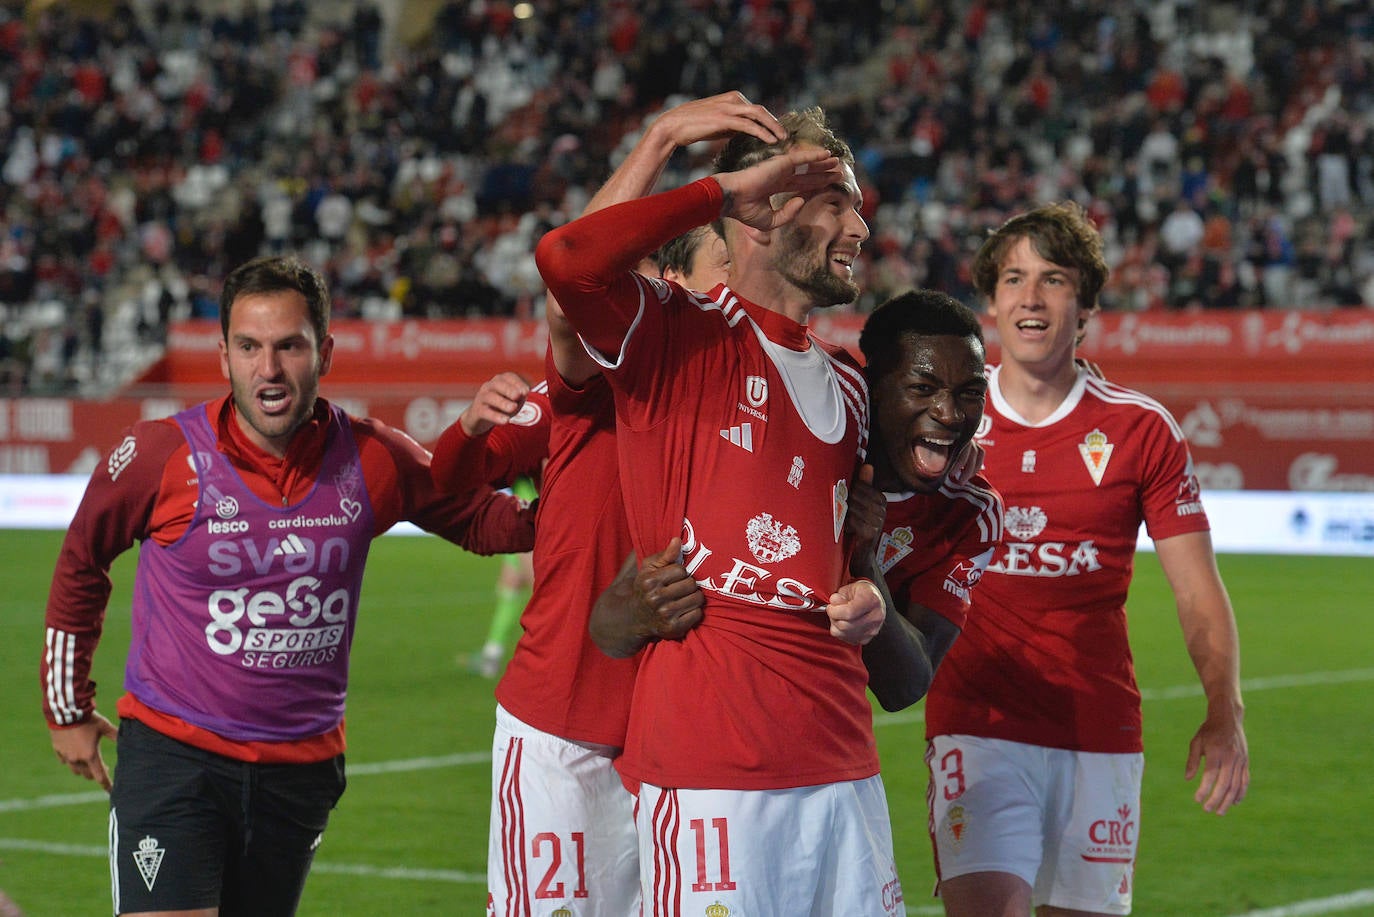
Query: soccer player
{"points": [[255, 513], [740, 432], [1034, 719], [940, 520], [562, 831]]}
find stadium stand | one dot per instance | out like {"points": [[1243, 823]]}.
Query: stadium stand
{"points": [[417, 151]]}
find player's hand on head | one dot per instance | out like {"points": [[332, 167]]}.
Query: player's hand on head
{"points": [[1220, 747], [497, 400], [717, 117], [796, 174], [78, 747], [670, 600], [856, 612]]}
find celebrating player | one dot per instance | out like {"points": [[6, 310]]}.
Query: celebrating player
{"points": [[740, 432], [562, 824], [1034, 719], [255, 513]]}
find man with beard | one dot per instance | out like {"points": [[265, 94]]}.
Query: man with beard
{"points": [[740, 432], [255, 513]]}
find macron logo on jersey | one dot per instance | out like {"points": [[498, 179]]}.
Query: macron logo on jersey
{"points": [[291, 544], [741, 435]]}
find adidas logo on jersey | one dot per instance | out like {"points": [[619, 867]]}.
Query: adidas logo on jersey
{"points": [[742, 436], [291, 544]]}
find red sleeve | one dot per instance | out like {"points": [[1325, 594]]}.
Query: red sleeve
{"points": [[588, 264], [115, 512], [399, 486], [464, 464]]}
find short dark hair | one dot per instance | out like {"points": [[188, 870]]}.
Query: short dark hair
{"points": [[807, 126], [915, 313], [679, 253], [1061, 234], [273, 273]]}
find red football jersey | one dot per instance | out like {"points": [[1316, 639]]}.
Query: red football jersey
{"points": [[558, 680], [935, 546], [715, 447], [738, 431], [1044, 657]]}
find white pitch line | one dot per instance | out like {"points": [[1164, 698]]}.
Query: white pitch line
{"points": [[347, 869], [1335, 904], [1268, 683]]}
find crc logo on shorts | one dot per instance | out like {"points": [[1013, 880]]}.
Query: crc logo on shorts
{"points": [[770, 541], [226, 508], [1112, 840]]}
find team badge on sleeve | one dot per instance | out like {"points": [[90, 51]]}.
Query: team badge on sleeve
{"points": [[1096, 452], [120, 458]]}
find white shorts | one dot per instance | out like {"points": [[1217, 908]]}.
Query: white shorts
{"points": [[815, 850], [1065, 822], [562, 827]]}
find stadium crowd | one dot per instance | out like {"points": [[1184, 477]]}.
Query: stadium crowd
{"points": [[1226, 150]]}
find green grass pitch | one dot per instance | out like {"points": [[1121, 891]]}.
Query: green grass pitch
{"points": [[409, 836]]}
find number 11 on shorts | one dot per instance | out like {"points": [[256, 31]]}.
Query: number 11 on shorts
{"points": [[721, 826]]}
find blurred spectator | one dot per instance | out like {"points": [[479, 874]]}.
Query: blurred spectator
{"points": [[417, 167]]}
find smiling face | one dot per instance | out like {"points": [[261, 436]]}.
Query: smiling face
{"points": [[927, 409], [816, 251], [273, 362], [1036, 306]]}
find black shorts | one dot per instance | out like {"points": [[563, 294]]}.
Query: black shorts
{"points": [[193, 829]]}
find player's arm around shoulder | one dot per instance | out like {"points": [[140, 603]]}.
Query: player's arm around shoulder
{"points": [[1213, 643]]}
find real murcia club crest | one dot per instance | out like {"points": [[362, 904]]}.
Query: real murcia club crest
{"points": [[1096, 452], [148, 859], [1025, 523], [893, 546], [769, 540]]}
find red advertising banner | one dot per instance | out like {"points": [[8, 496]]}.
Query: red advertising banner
{"points": [[1269, 400]]}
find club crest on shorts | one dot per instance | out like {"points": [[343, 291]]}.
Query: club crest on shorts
{"points": [[1096, 452], [953, 824], [148, 859]]}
